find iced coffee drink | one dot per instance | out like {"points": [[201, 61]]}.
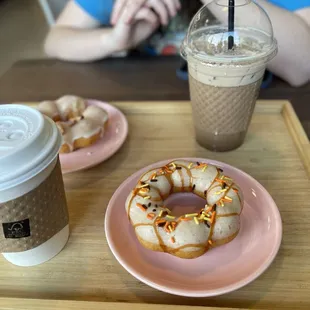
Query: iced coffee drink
{"points": [[225, 82]]}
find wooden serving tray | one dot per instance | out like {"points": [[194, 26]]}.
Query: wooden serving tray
{"points": [[276, 153]]}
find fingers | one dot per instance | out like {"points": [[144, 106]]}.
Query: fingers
{"points": [[117, 10], [159, 7], [131, 9], [147, 15], [172, 7], [164, 8], [142, 30], [178, 4]]}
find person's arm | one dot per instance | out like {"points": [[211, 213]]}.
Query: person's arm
{"points": [[292, 62], [75, 37], [304, 14]]}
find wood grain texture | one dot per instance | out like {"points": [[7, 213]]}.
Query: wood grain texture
{"points": [[38, 304], [86, 269]]}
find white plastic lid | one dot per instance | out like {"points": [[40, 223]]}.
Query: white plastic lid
{"points": [[28, 143]]}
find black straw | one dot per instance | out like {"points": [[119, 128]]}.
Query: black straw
{"points": [[231, 22]]}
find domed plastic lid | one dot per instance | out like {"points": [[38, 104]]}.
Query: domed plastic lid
{"points": [[230, 32], [28, 143]]}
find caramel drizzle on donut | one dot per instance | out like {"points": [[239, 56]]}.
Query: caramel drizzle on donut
{"points": [[213, 182], [141, 224], [182, 179], [237, 193], [199, 245], [163, 246], [228, 189], [160, 240], [167, 172]]}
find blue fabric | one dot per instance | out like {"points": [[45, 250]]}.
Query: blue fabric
{"points": [[99, 9], [291, 5]]}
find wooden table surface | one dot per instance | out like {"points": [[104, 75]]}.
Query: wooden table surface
{"points": [[133, 78], [276, 153]]}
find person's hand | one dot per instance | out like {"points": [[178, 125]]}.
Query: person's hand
{"points": [[145, 24], [126, 35], [165, 9]]}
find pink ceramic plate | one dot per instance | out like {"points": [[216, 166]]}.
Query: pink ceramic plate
{"points": [[113, 138], [219, 271]]}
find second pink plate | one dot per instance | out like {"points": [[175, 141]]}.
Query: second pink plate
{"points": [[114, 136], [219, 271]]}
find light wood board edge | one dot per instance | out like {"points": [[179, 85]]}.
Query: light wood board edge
{"points": [[36, 304], [298, 134], [179, 107]]}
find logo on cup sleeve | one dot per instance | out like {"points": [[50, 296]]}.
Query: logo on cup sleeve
{"points": [[15, 230]]}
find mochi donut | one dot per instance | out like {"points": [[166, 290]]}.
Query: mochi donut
{"points": [[79, 124], [189, 235]]}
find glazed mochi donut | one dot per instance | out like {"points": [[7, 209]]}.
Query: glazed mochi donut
{"points": [[79, 124], [190, 235]]}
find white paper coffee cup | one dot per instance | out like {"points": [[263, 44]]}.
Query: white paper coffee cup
{"points": [[29, 146]]}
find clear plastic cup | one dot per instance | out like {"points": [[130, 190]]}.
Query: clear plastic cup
{"points": [[225, 77]]}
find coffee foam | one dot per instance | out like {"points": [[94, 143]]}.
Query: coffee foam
{"points": [[211, 62], [222, 75]]}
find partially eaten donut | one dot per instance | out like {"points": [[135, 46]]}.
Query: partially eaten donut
{"points": [[189, 235], [80, 124]]}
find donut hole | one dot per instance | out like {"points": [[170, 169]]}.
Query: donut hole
{"points": [[183, 203]]}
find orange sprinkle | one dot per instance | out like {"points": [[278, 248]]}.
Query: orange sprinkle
{"points": [[169, 171], [204, 166], [136, 191], [235, 190], [142, 207], [158, 222], [174, 224], [210, 242], [172, 239], [150, 216], [219, 180], [185, 219]]}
